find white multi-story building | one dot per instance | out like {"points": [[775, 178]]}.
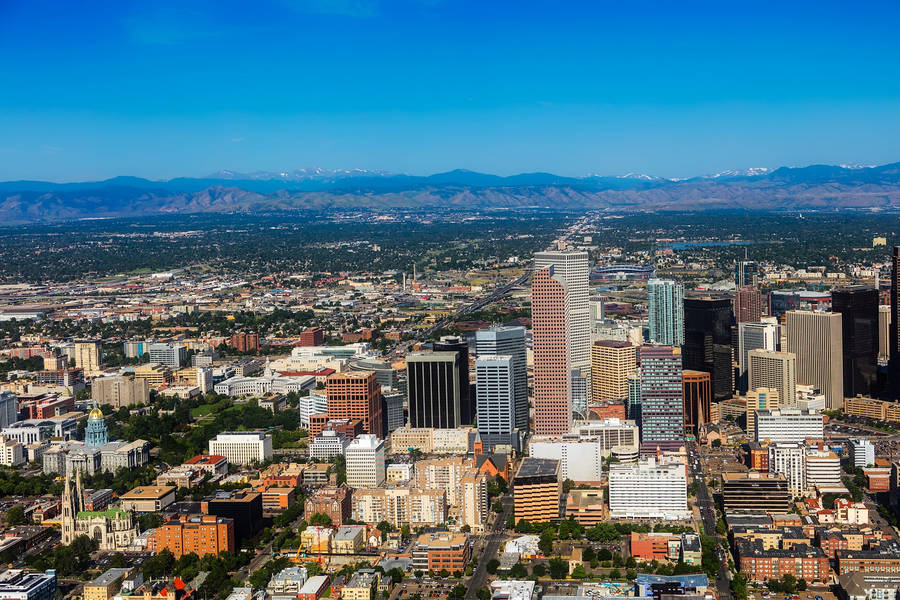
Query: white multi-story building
{"points": [[788, 425], [242, 447], [314, 404], [509, 341], [328, 444], [495, 397], [579, 459], [265, 384], [789, 459], [610, 432], [648, 490], [171, 355], [862, 452], [204, 379], [365, 461], [665, 300], [12, 453], [823, 470]]}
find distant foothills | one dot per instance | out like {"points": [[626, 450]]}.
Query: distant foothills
{"points": [[816, 187]]}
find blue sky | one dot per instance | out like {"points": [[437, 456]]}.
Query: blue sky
{"points": [[158, 89]]}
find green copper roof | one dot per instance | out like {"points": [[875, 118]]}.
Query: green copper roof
{"points": [[109, 513]]}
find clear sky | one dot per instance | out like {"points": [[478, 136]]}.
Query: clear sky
{"points": [[156, 89]]}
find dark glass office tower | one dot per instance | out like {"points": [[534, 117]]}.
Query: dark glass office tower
{"points": [[452, 343], [894, 336], [858, 307], [707, 342]]}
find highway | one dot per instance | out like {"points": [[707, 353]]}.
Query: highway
{"points": [[402, 348], [708, 517], [489, 548]]}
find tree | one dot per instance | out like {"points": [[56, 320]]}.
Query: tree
{"points": [[717, 443], [16, 516], [483, 593], [558, 568], [739, 586], [497, 507], [630, 574], [567, 486], [604, 554], [518, 571], [492, 566], [788, 583], [588, 554], [539, 570], [511, 522], [545, 543], [802, 585], [630, 563], [396, 575], [320, 519], [615, 574]]}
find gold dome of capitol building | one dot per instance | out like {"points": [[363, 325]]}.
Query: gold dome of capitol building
{"points": [[95, 413]]}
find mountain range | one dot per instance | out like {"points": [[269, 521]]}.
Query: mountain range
{"points": [[816, 187]]}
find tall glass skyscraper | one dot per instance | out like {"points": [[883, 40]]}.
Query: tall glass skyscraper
{"points": [[707, 342], [662, 404], [666, 308], [858, 306], [509, 341]]}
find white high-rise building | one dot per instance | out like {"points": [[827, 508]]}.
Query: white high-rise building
{"points": [[495, 399], [579, 460], [789, 459], [648, 490], [573, 270], [755, 336], [365, 461], [823, 469], [509, 341], [862, 452], [314, 404], [204, 379], [788, 425], [242, 447], [666, 312], [328, 444]]}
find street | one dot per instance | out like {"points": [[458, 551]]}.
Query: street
{"points": [[490, 549], [708, 516]]}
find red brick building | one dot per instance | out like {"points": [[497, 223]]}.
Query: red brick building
{"points": [[312, 336], [245, 342]]}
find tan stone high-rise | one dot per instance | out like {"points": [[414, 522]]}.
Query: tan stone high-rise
{"points": [[760, 399], [815, 339], [778, 370], [88, 355], [611, 364]]}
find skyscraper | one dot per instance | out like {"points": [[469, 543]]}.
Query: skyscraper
{"points": [[754, 336], [560, 314], [496, 399], [611, 364], [452, 343], [747, 305], [355, 395], [746, 273], [697, 392], [858, 306], [707, 342], [433, 390], [760, 399], [633, 408], [894, 338], [815, 339], [775, 370], [88, 355], [665, 301], [662, 405], [884, 333], [509, 341]]}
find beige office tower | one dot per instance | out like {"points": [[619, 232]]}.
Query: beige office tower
{"points": [[760, 399], [815, 338], [88, 355], [884, 333], [778, 370], [611, 364]]}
